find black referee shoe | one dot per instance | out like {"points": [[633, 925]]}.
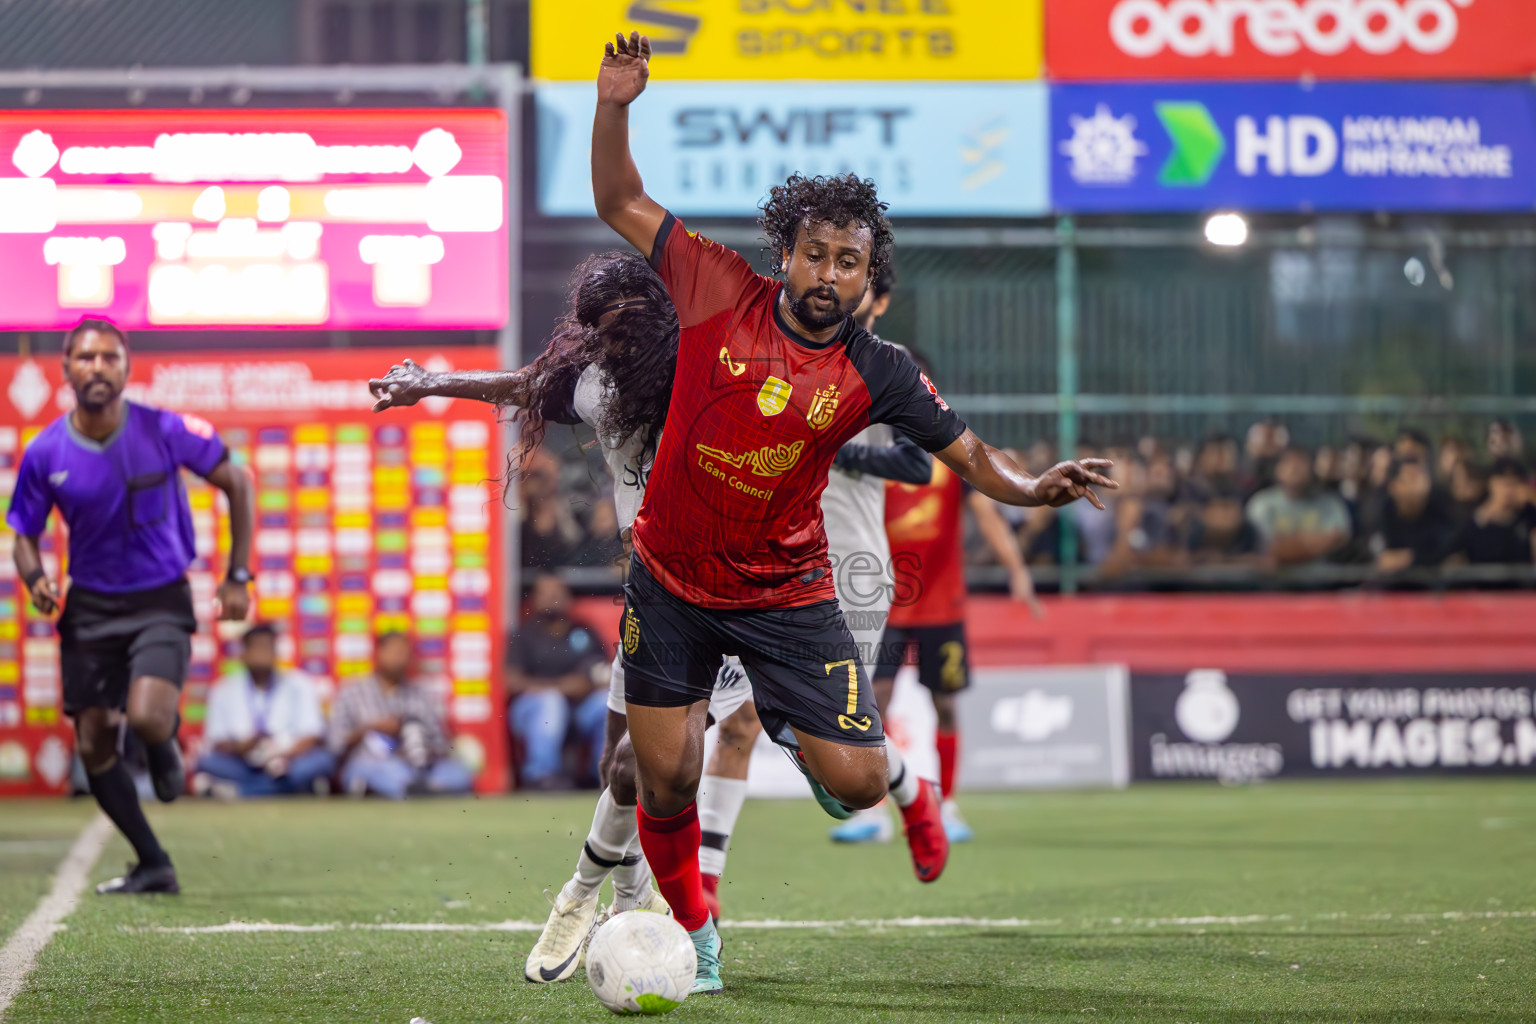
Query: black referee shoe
{"points": [[166, 770], [141, 880]]}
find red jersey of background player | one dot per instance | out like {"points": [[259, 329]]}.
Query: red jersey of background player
{"points": [[732, 513], [927, 554]]}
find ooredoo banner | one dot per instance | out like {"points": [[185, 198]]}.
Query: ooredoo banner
{"points": [[1339, 146], [1209, 724], [1103, 40]]}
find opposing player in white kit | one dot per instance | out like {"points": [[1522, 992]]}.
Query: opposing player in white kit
{"points": [[609, 365]]}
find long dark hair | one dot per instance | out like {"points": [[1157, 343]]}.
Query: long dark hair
{"points": [[636, 353]]}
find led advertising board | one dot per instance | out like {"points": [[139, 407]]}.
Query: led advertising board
{"points": [[259, 218]]}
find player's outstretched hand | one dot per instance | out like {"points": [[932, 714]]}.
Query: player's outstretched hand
{"points": [[45, 596], [234, 601], [625, 68], [1066, 482], [405, 384]]}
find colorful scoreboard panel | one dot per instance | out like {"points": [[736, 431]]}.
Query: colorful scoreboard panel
{"points": [[364, 524]]}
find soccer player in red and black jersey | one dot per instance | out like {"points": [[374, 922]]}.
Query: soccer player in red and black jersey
{"points": [[730, 556]]}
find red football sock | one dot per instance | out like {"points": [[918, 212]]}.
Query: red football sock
{"points": [[949, 751], [671, 847]]}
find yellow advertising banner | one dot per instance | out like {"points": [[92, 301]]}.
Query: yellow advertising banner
{"points": [[944, 40]]}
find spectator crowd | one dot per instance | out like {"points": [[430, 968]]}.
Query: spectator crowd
{"points": [[1262, 502], [1268, 503]]}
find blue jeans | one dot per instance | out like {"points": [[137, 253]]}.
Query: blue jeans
{"points": [[542, 718], [303, 770], [391, 776]]}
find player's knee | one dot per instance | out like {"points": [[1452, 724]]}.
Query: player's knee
{"points": [[620, 773], [944, 711], [861, 791], [152, 724], [97, 745], [664, 794]]}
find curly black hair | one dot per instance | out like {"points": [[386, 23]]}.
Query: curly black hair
{"points": [[839, 200], [636, 353]]}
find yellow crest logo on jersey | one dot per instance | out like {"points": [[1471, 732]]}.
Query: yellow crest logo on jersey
{"points": [[823, 407], [769, 460], [631, 631], [773, 396]]}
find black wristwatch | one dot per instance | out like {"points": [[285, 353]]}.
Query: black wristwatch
{"points": [[238, 574]]}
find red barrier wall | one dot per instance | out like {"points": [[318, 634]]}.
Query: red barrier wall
{"points": [[1297, 633]]}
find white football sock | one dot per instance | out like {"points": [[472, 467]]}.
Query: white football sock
{"points": [[720, 801], [904, 784], [631, 879], [614, 830]]}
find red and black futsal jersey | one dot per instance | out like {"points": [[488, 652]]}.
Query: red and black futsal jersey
{"points": [[924, 523], [732, 513]]}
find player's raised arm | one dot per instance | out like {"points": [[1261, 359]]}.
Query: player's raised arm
{"points": [[616, 185], [997, 476], [408, 383]]}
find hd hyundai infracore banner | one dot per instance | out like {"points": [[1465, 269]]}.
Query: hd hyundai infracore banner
{"points": [[1203, 146]]}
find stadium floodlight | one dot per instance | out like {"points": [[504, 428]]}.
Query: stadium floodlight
{"points": [[1228, 230]]}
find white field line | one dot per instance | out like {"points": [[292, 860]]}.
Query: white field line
{"points": [[870, 924], [19, 954]]}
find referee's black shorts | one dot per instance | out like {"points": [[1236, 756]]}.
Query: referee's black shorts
{"points": [[803, 663], [108, 640]]}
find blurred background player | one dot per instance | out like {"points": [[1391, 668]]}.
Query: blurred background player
{"points": [[113, 469], [924, 522]]}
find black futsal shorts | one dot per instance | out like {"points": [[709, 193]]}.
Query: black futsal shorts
{"points": [[803, 662], [108, 640], [943, 662]]}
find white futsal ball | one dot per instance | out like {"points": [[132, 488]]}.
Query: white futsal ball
{"points": [[641, 962]]}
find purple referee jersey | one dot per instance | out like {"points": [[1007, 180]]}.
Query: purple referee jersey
{"points": [[130, 526]]}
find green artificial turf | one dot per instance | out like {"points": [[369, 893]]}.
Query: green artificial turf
{"points": [[35, 835], [1374, 902]]}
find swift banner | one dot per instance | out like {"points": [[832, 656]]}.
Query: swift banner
{"points": [[813, 39], [253, 218], [938, 149], [364, 524], [1282, 147], [1142, 40], [1209, 724]]}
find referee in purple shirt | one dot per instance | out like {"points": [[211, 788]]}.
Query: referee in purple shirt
{"points": [[113, 470]]}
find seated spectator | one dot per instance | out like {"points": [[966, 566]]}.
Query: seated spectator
{"points": [[1504, 441], [1266, 442], [1417, 524], [1454, 452], [264, 728], [1297, 522], [388, 733], [1502, 530], [1217, 533], [557, 676], [1413, 443], [1469, 488], [550, 534]]}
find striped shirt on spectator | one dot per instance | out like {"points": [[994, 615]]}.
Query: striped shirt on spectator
{"points": [[365, 702]]}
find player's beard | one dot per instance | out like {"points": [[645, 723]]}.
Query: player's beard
{"points": [[93, 399], [806, 314]]}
